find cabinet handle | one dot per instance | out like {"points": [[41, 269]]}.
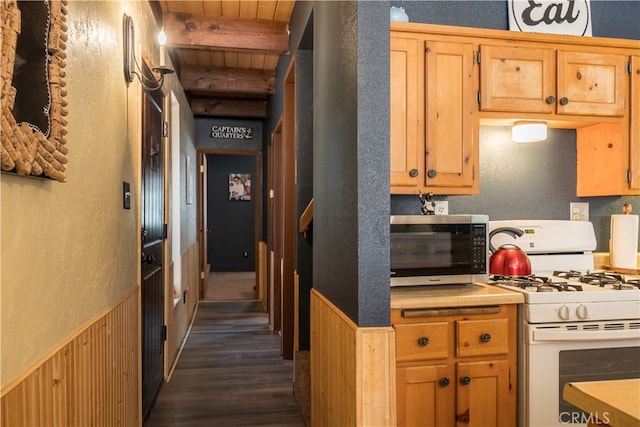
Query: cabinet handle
{"points": [[465, 380], [423, 341], [432, 173], [485, 337], [413, 173], [564, 100], [444, 381], [551, 99]]}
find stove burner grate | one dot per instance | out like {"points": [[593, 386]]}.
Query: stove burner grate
{"points": [[610, 281], [536, 283]]}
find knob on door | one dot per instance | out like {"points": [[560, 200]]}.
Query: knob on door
{"points": [[444, 381], [431, 173], [413, 173], [465, 380], [485, 337], [564, 100], [551, 99]]}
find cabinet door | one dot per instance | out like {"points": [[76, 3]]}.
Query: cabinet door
{"points": [[592, 84], [451, 155], [406, 87], [483, 394], [517, 79], [600, 166], [425, 396], [634, 147]]}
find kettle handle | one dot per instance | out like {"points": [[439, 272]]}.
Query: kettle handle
{"points": [[514, 232]]}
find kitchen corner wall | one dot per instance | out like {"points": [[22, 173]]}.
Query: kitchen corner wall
{"points": [[532, 181]]}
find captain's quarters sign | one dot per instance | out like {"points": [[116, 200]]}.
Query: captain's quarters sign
{"points": [[231, 132], [572, 17]]}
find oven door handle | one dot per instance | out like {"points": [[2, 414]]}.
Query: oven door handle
{"points": [[565, 335]]}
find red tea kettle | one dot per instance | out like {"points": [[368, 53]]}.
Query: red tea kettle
{"points": [[508, 259]]}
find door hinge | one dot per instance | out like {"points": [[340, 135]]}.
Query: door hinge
{"points": [[628, 176], [476, 57], [201, 168], [165, 231], [165, 129], [478, 97], [164, 333], [202, 275], [629, 68]]}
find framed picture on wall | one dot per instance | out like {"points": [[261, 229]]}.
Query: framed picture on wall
{"points": [[239, 186]]}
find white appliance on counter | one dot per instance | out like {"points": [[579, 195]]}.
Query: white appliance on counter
{"points": [[575, 324]]}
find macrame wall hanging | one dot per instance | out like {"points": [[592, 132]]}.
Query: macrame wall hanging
{"points": [[32, 95]]}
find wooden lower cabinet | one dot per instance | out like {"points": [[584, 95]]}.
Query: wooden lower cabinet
{"points": [[422, 400], [456, 369]]}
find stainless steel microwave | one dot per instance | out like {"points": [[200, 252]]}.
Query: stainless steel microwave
{"points": [[439, 249]]}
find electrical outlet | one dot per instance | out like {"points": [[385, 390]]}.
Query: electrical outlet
{"points": [[579, 211], [441, 207]]}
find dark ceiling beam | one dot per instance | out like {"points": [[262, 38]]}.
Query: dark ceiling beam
{"points": [[185, 30], [227, 80], [254, 109]]}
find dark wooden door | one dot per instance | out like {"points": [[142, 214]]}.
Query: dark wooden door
{"points": [[153, 235]]}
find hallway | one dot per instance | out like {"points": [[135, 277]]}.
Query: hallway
{"points": [[230, 373]]}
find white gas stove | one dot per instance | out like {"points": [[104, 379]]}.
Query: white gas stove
{"points": [[563, 273], [576, 324]]}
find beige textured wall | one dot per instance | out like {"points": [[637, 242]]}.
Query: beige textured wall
{"points": [[69, 251]]}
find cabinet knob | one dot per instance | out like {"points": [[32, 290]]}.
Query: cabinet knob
{"points": [[485, 337], [413, 173], [444, 381], [564, 100], [423, 341], [551, 99], [465, 380], [432, 173]]}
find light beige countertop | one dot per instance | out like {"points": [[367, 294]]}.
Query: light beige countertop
{"points": [[614, 402], [469, 295]]}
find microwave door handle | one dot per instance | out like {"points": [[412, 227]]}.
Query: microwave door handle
{"points": [[564, 335]]}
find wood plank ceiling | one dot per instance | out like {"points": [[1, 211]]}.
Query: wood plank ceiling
{"points": [[225, 51]]}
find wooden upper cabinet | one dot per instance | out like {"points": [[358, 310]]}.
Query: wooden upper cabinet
{"points": [[549, 81], [451, 125], [592, 84], [517, 79], [634, 145], [406, 93]]}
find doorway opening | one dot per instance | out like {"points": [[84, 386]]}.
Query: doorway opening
{"points": [[231, 201]]}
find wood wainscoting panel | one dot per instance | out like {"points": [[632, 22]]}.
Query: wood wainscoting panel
{"points": [[93, 379], [352, 369], [262, 274]]}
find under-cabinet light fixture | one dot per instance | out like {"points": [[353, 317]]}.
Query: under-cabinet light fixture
{"points": [[526, 131], [131, 66]]}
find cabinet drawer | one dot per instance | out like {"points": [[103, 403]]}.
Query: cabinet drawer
{"points": [[482, 337], [421, 341]]}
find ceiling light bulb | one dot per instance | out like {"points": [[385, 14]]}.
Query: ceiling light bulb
{"points": [[529, 132]]}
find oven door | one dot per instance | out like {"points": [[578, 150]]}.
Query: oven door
{"points": [[552, 355]]}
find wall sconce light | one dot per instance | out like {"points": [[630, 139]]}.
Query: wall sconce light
{"points": [[131, 66], [529, 131]]}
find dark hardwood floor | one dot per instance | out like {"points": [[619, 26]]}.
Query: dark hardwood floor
{"points": [[230, 373]]}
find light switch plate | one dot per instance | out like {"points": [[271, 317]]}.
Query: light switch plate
{"points": [[126, 195]]}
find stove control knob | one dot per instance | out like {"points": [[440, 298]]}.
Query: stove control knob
{"points": [[563, 312], [582, 312]]}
